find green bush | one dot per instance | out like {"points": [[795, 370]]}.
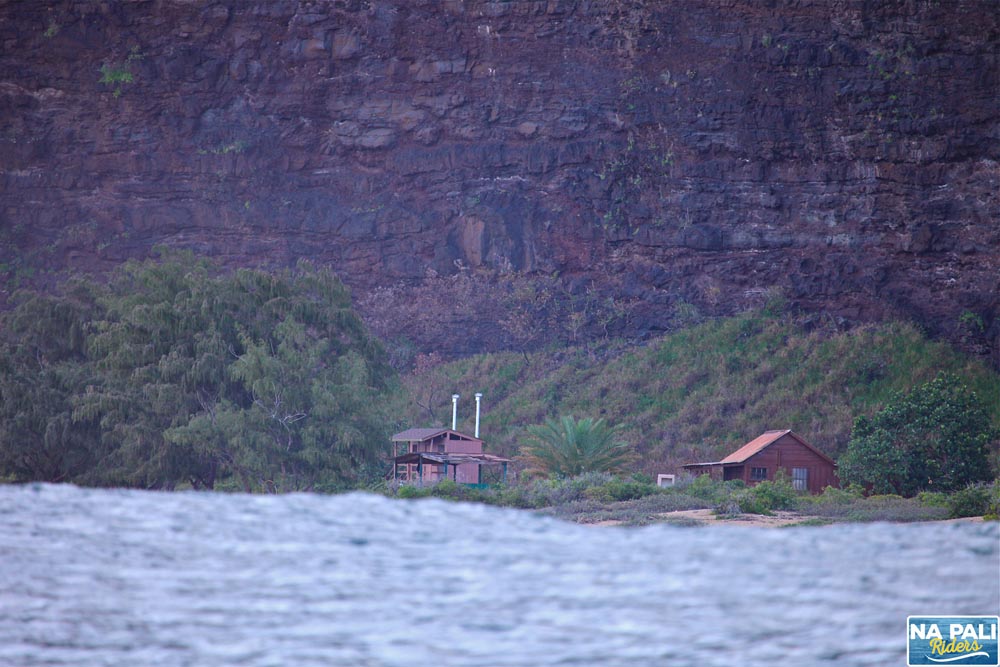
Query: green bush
{"points": [[933, 499], [630, 490], [877, 508], [595, 486], [598, 493], [556, 492], [447, 488], [639, 512], [410, 491], [744, 502], [763, 498], [547, 492], [643, 478], [776, 494], [993, 512], [514, 496], [973, 500], [883, 497], [704, 487], [833, 496], [937, 436]]}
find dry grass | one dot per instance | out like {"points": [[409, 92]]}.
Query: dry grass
{"points": [[698, 393]]}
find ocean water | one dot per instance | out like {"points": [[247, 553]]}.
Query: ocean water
{"points": [[99, 577]]}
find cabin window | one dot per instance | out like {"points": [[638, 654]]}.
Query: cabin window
{"points": [[758, 474], [800, 479]]}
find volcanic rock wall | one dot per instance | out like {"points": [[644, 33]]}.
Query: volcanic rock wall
{"points": [[613, 164]]}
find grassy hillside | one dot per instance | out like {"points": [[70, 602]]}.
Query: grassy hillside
{"points": [[697, 394]]}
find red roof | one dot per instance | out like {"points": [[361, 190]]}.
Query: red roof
{"points": [[754, 446], [757, 445], [763, 441]]}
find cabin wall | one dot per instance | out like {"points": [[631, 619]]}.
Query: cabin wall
{"points": [[468, 473], [788, 453], [463, 446], [432, 473], [713, 471]]}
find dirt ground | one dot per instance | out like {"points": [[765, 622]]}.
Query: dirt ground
{"points": [[708, 517]]}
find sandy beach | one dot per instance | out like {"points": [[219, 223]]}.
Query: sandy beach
{"points": [[778, 519]]}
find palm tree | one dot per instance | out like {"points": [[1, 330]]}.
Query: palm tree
{"points": [[572, 447]]}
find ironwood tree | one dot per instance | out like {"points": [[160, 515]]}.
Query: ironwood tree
{"points": [[177, 372], [43, 366]]}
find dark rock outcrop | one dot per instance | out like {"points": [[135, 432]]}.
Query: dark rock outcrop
{"points": [[638, 156]]}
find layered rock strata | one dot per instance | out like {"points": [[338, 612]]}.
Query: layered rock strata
{"points": [[620, 165]]}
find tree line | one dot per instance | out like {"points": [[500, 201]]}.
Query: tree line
{"points": [[173, 372]]}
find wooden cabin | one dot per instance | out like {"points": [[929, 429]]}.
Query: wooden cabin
{"points": [[430, 455], [807, 468]]}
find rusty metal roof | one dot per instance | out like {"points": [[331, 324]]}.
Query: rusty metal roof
{"points": [[422, 434], [418, 434], [450, 459]]}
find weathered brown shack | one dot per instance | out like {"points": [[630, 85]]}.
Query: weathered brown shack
{"points": [[433, 454], [808, 468]]}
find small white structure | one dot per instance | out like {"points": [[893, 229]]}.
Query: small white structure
{"points": [[665, 480]]}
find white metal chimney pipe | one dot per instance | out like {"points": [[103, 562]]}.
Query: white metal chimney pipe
{"points": [[454, 411], [478, 398]]}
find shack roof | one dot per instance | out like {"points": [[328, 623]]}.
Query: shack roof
{"points": [[417, 434], [450, 459], [422, 434]]}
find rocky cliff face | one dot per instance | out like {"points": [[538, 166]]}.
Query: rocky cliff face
{"points": [[480, 171]]}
